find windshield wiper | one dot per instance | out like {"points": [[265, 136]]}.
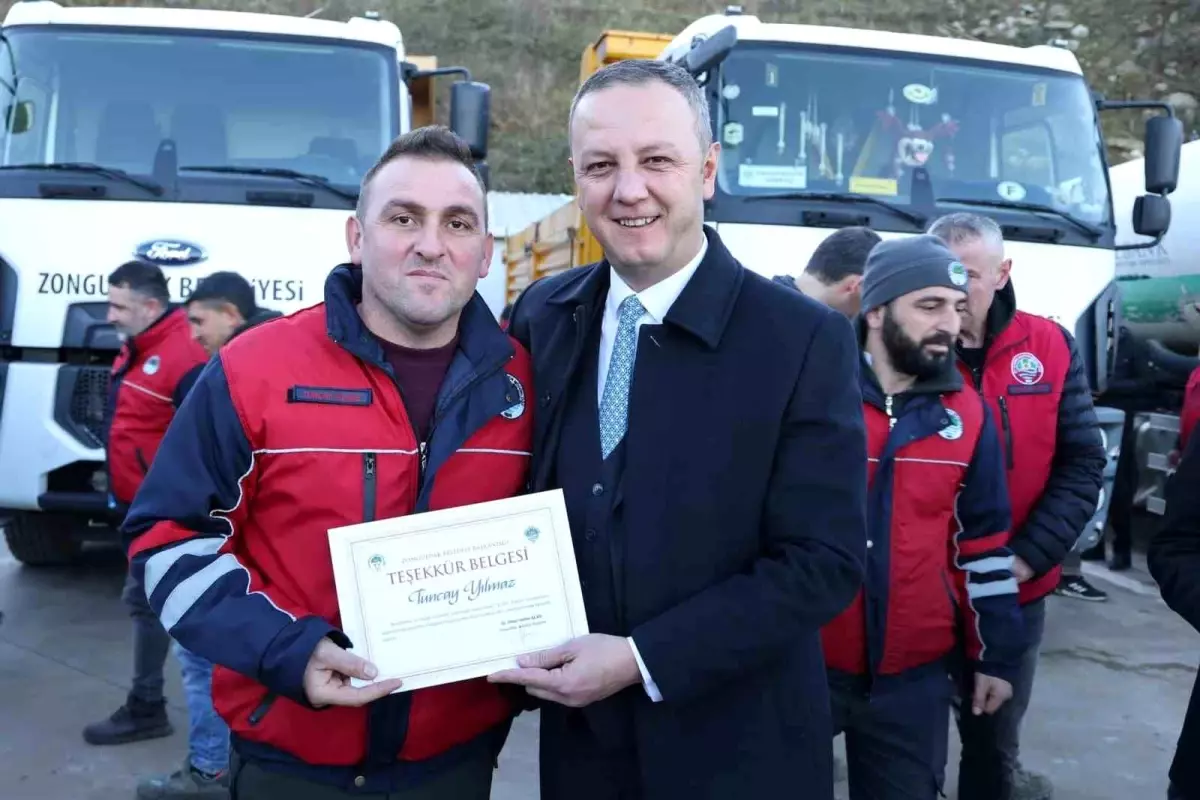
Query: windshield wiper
{"points": [[93, 169], [307, 178], [1087, 228], [915, 219]]}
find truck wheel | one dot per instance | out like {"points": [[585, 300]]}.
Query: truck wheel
{"points": [[42, 539]]}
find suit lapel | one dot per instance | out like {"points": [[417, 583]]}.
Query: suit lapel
{"points": [[557, 342]]}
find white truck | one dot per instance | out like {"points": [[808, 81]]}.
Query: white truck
{"points": [[824, 127], [196, 140]]}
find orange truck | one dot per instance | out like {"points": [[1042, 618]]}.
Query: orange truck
{"points": [[561, 239]]}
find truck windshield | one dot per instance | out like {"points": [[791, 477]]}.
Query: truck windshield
{"points": [[110, 97], [794, 121]]}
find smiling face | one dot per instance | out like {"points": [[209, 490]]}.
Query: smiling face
{"points": [[423, 245], [643, 176]]}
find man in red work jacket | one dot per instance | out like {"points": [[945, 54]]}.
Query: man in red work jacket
{"points": [[1030, 372], [399, 394], [937, 522], [144, 392], [1189, 415]]}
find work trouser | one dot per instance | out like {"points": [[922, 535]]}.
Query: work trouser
{"points": [[469, 780], [991, 742], [896, 734], [150, 646]]}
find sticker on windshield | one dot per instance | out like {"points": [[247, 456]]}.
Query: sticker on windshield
{"points": [[767, 176], [884, 186], [765, 111], [920, 94], [732, 133], [1039, 94], [731, 91], [1011, 190], [772, 75]]}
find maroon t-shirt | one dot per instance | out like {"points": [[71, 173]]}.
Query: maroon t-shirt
{"points": [[420, 374]]}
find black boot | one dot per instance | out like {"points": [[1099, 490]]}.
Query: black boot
{"points": [[132, 722]]}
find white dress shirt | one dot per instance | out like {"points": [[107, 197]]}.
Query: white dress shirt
{"points": [[656, 300]]}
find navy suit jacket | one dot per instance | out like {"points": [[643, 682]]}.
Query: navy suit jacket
{"points": [[744, 494]]}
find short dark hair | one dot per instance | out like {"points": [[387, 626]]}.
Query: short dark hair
{"points": [[844, 252], [226, 287], [432, 143], [640, 71], [145, 279]]}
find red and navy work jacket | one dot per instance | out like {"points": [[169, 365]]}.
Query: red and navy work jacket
{"points": [[937, 521], [144, 392], [296, 427], [1034, 382], [1190, 413]]}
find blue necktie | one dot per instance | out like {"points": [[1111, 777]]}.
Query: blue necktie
{"points": [[614, 404]]}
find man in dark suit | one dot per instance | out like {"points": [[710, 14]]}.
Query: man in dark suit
{"points": [[705, 426]]}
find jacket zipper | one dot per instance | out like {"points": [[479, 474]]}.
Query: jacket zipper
{"points": [[261, 710], [1008, 441], [887, 407], [423, 446], [368, 487]]}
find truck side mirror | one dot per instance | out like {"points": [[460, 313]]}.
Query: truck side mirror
{"points": [[18, 117], [1151, 214], [1164, 142], [710, 52], [470, 114]]}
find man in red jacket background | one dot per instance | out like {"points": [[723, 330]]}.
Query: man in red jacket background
{"points": [[398, 394], [1031, 374], [937, 518], [144, 392]]}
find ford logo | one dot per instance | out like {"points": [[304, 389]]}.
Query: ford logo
{"points": [[170, 252]]}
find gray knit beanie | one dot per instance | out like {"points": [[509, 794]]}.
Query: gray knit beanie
{"points": [[896, 267]]}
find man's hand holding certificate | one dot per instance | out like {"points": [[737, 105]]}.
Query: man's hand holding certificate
{"points": [[329, 672], [457, 593]]}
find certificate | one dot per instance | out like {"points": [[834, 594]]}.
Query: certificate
{"points": [[458, 593]]}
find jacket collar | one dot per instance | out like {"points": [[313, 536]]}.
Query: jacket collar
{"points": [[1000, 318], [159, 331], [480, 338], [704, 306], [259, 316]]}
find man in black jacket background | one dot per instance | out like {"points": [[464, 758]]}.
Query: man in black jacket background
{"points": [[1173, 558]]}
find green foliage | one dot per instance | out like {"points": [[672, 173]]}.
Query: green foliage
{"points": [[529, 51]]}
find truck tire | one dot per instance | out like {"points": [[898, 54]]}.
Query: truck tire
{"points": [[39, 540]]}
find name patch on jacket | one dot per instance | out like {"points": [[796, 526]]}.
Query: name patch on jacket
{"points": [[329, 396], [1024, 388]]}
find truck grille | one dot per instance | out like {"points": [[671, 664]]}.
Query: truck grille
{"points": [[88, 399]]}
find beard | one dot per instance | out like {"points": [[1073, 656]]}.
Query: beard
{"points": [[911, 357]]}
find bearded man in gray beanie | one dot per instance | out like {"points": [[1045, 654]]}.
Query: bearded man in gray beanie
{"points": [[939, 576]]}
